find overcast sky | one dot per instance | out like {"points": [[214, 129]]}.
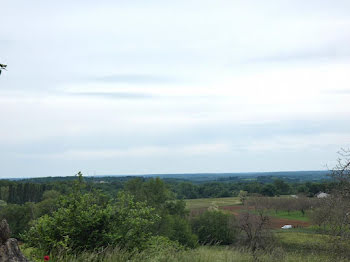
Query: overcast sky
{"points": [[134, 87]]}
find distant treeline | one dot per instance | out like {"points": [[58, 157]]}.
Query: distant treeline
{"points": [[31, 190], [189, 190], [20, 193]]}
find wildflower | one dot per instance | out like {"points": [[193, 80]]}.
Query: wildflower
{"points": [[46, 258]]}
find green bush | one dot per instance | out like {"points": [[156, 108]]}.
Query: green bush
{"points": [[215, 227], [178, 229], [173, 223], [87, 222]]}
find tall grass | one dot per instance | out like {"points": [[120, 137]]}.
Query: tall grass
{"points": [[201, 254]]}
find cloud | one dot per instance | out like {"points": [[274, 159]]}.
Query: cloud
{"points": [[331, 53], [138, 79], [147, 152], [339, 91], [299, 142], [114, 95]]}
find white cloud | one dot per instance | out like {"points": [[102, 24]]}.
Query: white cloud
{"points": [[147, 152], [300, 142]]}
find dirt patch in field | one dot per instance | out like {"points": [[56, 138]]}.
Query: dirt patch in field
{"points": [[280, 222], [233, 209]]}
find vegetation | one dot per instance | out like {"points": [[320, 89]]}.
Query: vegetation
{"points": [[215, 227], [201, 254], [333, 216], [152, 219], [207, 202]]}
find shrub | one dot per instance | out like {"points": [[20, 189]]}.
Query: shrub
{"points": [[179, 229], [88, 222], [215, 227]]}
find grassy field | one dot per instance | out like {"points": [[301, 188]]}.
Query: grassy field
{"points": [[291, 240], [207, 202], [201, 254], [233, 201], [295, 215]]}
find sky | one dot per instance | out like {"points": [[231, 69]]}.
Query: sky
{"points": [[139, 87]]}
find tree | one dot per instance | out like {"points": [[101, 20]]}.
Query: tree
{"points": [[282, 188], [242, 196], [153, 191], [255, 226], [268, 190], [341, 172], [49, 204], [334, 211], [187, 190]]}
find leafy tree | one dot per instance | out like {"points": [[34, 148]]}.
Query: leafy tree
{"points": [[213, 189], [268, 190], [187, 190], [252, 187], [49, 204], [153, 191], [282, 188], [302, 189], [243, 196]]}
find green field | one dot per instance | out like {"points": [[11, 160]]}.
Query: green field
{"points": [[233, 201], [304, 242], [207, 202], [295, 215]]}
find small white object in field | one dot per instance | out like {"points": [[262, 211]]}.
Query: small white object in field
{"points": [[287, 226], [322, 195]]}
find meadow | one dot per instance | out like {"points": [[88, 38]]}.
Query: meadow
{"points": [[293, 215], [209, 202]]}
